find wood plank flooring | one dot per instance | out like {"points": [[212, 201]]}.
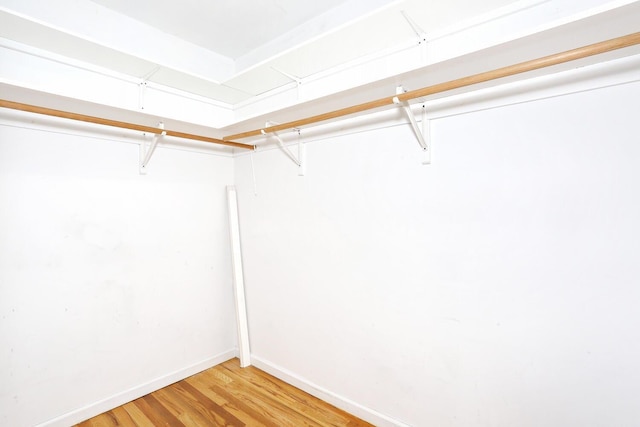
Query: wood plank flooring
{"points": [[226, 395]]}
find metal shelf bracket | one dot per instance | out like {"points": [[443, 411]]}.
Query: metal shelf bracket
{"points": [[420, 133], [299, 159], [147, 151], [421, 35]]}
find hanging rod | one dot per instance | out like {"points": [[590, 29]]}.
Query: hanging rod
{"points": [[522, 67], [119, 124]]}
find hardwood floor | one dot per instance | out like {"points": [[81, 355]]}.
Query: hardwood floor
{"points": [[226, 395]]}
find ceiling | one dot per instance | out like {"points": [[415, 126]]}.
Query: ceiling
{"points": [[229, 27]]}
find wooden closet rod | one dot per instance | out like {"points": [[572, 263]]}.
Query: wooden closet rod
{"points": [[522, 67], [116, 123]]}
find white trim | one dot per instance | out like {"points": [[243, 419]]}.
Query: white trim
{"points": [[335, 399], [126, 396]]}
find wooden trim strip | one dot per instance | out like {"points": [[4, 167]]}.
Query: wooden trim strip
{"points": [[522, 67], [119, 124]]}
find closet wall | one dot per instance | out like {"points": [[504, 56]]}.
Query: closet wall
{"points": [[112, 284], [497, 286]]}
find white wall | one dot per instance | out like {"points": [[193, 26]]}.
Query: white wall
{"points": [[112, 284], [496, 287]]}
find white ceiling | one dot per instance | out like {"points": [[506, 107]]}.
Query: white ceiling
{"points": [[229, 27]]}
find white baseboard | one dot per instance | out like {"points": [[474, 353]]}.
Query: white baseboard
{"points": [[126, 396], [341, 402]]}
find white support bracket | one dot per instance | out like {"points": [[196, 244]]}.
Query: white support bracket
{"points": [[147, 151], [414, 125], [421, 35], [142, 92], [302, 155], [299, 159]]}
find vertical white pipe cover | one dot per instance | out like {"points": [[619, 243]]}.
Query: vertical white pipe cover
{"points": [[238, 279]]}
